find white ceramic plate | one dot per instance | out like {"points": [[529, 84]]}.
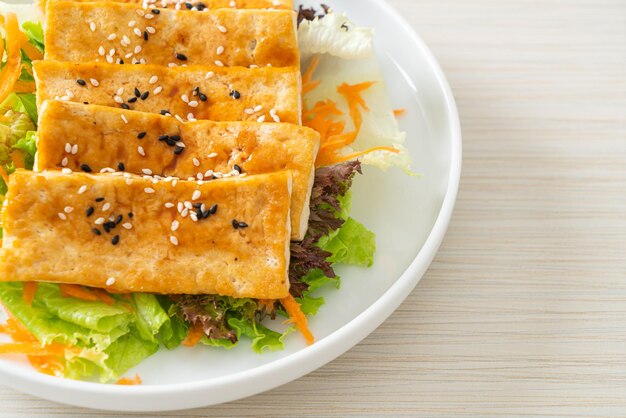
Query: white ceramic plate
{"points": [[410, 217]]}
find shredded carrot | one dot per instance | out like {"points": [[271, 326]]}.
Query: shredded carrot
{"points": [[297, 317], [4, 175], [78, 292], [18, 158], [103, 296], [352, 94], [48, 365], [129, 381], [33, 349], [268, 304], [16, 330], [308, 84], [399, 112], [30, 288], [24, 87], [195, 334], [11, 71]]}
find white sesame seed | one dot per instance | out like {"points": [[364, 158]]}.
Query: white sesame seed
{"points": [[222, 29], [153, 79], [184, 213], [212, 155], [137, 32], [218, 175], [171, 65], [180, 144], [92, 26], [118, 99], [106, 206], [82, 189], [146, 171], [193, 103], [99, 221], [180, 207], [258, 108], [196, 162], [169, 205], [175, 225], [110, 281], [101, 51], [174, 240], [261, 119], [196, 195], [193, 216], [158, 90], [185, 98], [64, 162], [141, 151], [150, 30], [94, 82], [127, 175], [124, 118], [69, 94], [137, 49], [200, 176], [188, 205], [75, 149], [191, 117], [232, 3], [65, 98], [126, 39], [66, 171], [68, 147], [127, 225], [62, 216], [148, 190], [272, 111], [276, 118], [131, 23], [111, 52], [249, 111], [209, 173], [209, 75], [109, 59], [140, 12], [149, 16], [129, 181], [219, 63], [107, 170], [174, 182], [120, 91], [220, 50], [178, 118]]}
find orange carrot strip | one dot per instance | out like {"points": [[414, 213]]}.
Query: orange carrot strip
{"points": [[129, 381], [308, 74], [352, 94], [195, 334], [292, 307], [399, 112], [47, 365], [30, 288], [78, 292], [33, 349], [11, 71], [24, 87], [103, 296]]}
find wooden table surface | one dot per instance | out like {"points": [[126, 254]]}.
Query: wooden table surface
{"points": [[524, 309]]}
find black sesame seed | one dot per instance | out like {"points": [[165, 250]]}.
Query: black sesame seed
{"points": [[89, 211], [235, 224], [118, 220], [85, 168], [243, 225], [96, 231], [200, 6], [189, 6], [132, 100], [164, 137], [170, 142], [178, 150], [203, 97], [237, 168], [130, 215], [164, 112], [81, 82], [85, 102], [197, 205], [175, 137], [115, 240], [125, 106], [199, 213], [110, 224], [141, 135], [121, 61], [213, 209], [120, 166], [145, 35], [235, 94], [106, 228], [196, 90], [181, 56], [99, 199], [137, 92], [206, 214], [145, 95], [156, 11]]}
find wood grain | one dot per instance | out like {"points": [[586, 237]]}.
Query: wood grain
{"points": [[524, 310]]}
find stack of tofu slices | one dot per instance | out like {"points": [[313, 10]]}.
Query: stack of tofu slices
{"points": [[170, 153]]}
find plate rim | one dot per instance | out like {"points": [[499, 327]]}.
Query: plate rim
{"points": [[188, 395]]}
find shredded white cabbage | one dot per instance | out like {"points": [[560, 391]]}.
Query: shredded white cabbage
{"points": [[380, 126], [335, 35]]}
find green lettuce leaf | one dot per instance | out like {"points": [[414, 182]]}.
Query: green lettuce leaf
{"points": [[150, 316], [22, 103], [316, 279], [352, 244], [127, 352], [34, 33], [262, 337]]}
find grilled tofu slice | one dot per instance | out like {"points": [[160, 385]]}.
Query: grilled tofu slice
{"points": [[209, 4], [73, 135], [131, 235], [223, 94], [112, 31]]}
